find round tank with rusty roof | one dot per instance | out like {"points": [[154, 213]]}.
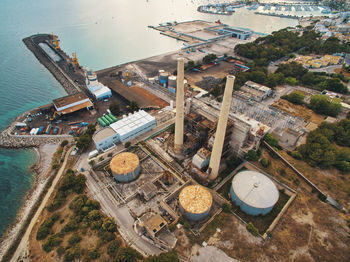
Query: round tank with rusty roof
{"points": [[125, 167], [253, 192], [195, 202]]}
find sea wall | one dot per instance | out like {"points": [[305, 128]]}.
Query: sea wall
{"points": [[22, 141], [57, 72]]}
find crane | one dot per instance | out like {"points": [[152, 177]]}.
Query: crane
{"points": [[56, 42], [75, 59]]}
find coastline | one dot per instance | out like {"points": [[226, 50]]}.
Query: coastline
{"points": [[41, 169]]}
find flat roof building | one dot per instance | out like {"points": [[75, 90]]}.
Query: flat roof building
{"points": [[124, 130], [71, 103], [254, 91]]}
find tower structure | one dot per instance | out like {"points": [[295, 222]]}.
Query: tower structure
{"points": [[215, 159], [179, 120]]}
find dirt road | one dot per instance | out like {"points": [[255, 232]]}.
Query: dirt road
{"points": [[24, 242]]}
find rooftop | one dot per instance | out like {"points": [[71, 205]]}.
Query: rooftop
{"points": [[103, 133], [195, 199], [124, 163], [255, 189], [132, 122], [70, 99]]}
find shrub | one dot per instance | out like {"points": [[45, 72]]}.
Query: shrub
{"points": [[295, 97], [110, 155], [170, 256], [75, 238], [127, 254], [252, 229], [264, 162], [51, 242], [226, 208], [45, 228], [251, 155], [60, 251], [296, 154], [92, 254], [127, 144], [72, 253], [272, 141], [113, 247], [64, 143]]}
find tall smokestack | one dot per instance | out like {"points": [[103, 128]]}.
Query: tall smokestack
{"points": [[179, 121], [214, 164]]}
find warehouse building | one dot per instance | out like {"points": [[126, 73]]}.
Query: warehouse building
{"points": [[71, 103], [124, 130]]}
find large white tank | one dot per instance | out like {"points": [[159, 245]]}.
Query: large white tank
{"points": [[172, 81], [125, 167], [195, 202], [254, 192]]}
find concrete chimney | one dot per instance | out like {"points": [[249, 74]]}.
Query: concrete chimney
{"points": [[214, 164], [179, 120]]}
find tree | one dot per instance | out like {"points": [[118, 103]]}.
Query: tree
{"points": [[170, 256], [295, 97], [133, 106], [113, 247], [251, 155], [91, 129], [323, 104], [84, 142], [115, 108], [64, 143], [209, 58], [272, 141], [127, 254]]}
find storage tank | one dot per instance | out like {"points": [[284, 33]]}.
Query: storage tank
{"points": [[253, 192], [163, 78], [172, 81], [195, 202], [125, 167]]}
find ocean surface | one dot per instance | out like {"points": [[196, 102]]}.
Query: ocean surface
{"points": [[103, 34]]}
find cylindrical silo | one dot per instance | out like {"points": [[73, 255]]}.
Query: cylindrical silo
{"points": [[163, 78], [125, 167], [254, 192], [195, 202], [172, 81]]}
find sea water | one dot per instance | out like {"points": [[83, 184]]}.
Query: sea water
{"points": [[103, 34]]}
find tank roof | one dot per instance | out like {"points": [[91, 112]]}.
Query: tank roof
{"points": [[195, 199], [124, 163], [255, 189]]}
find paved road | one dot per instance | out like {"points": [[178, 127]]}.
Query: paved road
{"points": [[24, 242], [121, 215]]}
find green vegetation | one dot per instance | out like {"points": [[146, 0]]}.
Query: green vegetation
{"points": [[251, 156], [45, 228], [226, 208], [323, 104], [133, 106], [115, 108], [84, 140], [52, 242], [320, 150], [209, 58], [170, 256], [127, 144], [113, 247], [264, 162], [295, 97], [252, 229], [70, 183], [272, 141], [127, 254], [233, 162], [64, 143]]}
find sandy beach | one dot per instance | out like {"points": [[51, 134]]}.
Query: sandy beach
{"points": [[41, 169]]}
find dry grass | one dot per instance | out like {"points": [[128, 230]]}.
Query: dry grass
{"points": [[298, 110]]}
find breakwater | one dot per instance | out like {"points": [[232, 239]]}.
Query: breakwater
{"points": [[32, 44], [24, 141]]}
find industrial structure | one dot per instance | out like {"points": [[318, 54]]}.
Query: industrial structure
{"points": [[179, 121], [195, 202], [125, 167], [253, 91], [124, 130], [215, 160], [71, 103], [97, 89], [253, 192]]}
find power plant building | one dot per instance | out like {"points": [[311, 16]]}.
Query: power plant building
{"points": [[195, 202], [97, 89], [254, 91], [254, 193], [124, 130], [125, 167]]}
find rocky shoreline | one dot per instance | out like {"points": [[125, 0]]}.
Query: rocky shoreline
{"points": [[41, 170]]}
